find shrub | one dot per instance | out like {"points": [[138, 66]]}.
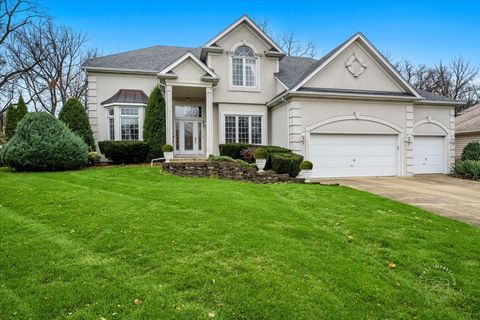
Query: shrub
{"points": [[468, 169], [245, 164], [306, 165], [286, 163], [94, 156], [260, 153], [124, 151], [167, 148], [3, 141], [471, 151], [154, 126], [42, 143], [247, 154], [232, 150], [220, 158], [74, 115], [10, 121]]}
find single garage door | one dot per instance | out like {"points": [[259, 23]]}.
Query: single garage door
{"points": [[428, 154], [347, 155]]}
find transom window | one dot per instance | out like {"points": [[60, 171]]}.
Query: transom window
{"points": [[129, 123], [244, 67], [243, 129], [188, 111]]}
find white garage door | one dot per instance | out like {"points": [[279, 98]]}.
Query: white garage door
{"points": [[428, 154], [353, 155]]}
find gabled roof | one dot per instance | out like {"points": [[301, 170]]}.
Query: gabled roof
{"points": [[127, 96], [189, 55], [469, 120], [251, 24], [320, 64], [150, 60]]}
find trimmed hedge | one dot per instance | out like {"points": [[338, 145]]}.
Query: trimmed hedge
{"points": [[468, 169], [306, 165], [471, 151], [234, 150], [286, 163], [43, 143], [124, 151]]}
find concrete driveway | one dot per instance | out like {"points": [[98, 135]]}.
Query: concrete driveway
{"points": [[450, 197]]}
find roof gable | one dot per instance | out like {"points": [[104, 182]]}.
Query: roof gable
{"points": [[252, 25], [191, 57], [373, 54]]}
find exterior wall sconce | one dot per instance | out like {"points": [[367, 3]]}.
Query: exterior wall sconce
{"points": [[409, 139], [303, 137]]}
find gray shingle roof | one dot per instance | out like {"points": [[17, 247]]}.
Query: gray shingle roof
{"points": [[152, 59], [127, 96], [434, 96], [469, 120], [292, 70]]}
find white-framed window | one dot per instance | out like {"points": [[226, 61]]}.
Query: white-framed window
{"points": [[243, 129], [111, 124], [129, 123], [244, 67]]}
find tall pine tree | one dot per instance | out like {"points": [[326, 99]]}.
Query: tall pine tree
{"points": [[154, 130], [74, 115], [11, 121], [21, 109]]}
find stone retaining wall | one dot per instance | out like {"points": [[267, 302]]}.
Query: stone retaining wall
{"points": [[223, 169]]}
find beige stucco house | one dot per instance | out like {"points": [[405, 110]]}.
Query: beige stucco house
{"points": [[467, 126], [350, 112]]}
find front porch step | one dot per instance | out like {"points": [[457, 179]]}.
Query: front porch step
{"points": [[192, 159]]}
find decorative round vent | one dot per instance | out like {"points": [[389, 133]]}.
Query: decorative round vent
{"points": [[355, 65]]}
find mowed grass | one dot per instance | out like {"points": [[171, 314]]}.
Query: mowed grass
{"points": [[86, 244]]}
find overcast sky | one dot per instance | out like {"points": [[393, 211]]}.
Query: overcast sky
{"points": [[420, 31]]}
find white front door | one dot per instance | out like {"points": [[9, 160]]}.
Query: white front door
{"points": [[189, 137], [428, 154], [353, 155]]}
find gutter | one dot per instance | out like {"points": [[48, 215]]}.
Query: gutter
{"points": [[124, 71]]}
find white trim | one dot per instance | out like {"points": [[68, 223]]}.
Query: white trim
{"points": [[118, 123], [187, 55], [120, 70], [380, 57], [244, 113], [283, 84], [231, 86], [353, 117], [435, 122], [124, 104], [251, 24]]}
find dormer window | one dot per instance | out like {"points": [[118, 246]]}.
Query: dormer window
{"points": [[244, 67]]}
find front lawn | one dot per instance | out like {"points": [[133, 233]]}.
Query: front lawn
{"points": [[86, 244]]}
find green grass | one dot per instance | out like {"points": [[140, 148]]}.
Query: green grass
{"points": [[86, 244]]}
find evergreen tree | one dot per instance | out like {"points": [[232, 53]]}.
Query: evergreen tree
{"points": [[21, 109], [74, 115], [154, 130], [11, 121]]}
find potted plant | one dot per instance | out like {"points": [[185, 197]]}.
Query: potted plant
{"points": [[260, 156], [167, 152], [306, 170]]}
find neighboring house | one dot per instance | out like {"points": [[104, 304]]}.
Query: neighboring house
{"points": [[467, 128], [350, 112]]}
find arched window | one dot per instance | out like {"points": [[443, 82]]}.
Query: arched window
{"points": [[244, 67]]}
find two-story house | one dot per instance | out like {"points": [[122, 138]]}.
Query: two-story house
{"points": [[350, 112]]}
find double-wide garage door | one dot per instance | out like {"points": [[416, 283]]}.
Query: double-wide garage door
{"points": [[353, 155]]}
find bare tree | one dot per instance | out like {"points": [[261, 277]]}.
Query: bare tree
{"points": [[458, 80], [16, 17], [58, 77], [288, 41]]}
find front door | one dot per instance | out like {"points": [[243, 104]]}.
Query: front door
{"points": [[189, 137]]}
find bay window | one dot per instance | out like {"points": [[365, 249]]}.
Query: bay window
{"points": [[124, 123], [243, 129]]}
